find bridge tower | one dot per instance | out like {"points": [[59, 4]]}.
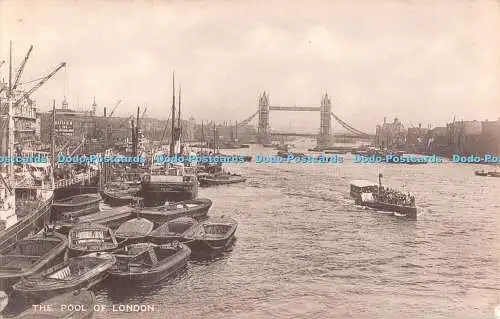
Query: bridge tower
{"points": [[264, 135], [325, 137]]}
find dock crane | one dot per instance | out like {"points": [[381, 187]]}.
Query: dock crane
{"points": [[39, 84], [114, 109], [21, 68]]}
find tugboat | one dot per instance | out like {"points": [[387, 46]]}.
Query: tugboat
{"points": [[481, 173], [369, 194]]}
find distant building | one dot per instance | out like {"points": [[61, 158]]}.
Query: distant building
{"points": [[390, 135], [417, 139], [26, 122]]}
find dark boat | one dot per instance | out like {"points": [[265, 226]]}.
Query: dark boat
{"points": [[145, 264], [481, 173], [210, 168], [177, 184], [111, 218], [195, 208], [494, 174], [220, 179], [91, 238], [247, 158], [370, 194], [120, 195], [32, 212], [211, 236], [134, 230], [75, 206], [30, 255], [75, 305], [172, 230], [70, 275]]}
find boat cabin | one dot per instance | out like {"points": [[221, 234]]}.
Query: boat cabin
{"points": [[87, 236], [363, 186]]}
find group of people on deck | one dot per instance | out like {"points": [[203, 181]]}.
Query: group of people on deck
{"points": [[395, 197]]}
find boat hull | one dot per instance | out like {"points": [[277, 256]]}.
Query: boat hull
{"points": [[156, 194], [56, 255], [408, 212], [115, 200], [27, 225], [157, 274], [159, 217], [61, 210], [42, 287], [215, 182], [62, 309]]}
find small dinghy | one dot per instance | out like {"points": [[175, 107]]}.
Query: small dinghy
{"points": [[194, 208], [91, 238], [30, 255], [211, 236], [172, 230], [75, 206], [75, 305], [70, 275], [146, 263], [220, 179], [134, 230]]}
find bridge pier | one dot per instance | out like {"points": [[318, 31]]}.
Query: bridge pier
{"points": [[325, 137], [263, 134]]}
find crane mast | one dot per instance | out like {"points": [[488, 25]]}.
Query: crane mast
{"points": [[39, 84], [21, 68], [114, 109]]}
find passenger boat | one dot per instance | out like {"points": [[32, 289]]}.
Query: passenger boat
{"points": [[145, 264], [211, 236], [177, 184], [77, 304], [366, 193], [194, 208], [111, 218], [91, 238], [30, 255], [134, 230], [220, 179], [481, 173], [70, 275], [75, 206], [120, 195], [172, 230]]}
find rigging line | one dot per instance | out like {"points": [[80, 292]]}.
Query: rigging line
{"points": [[27, 82]]}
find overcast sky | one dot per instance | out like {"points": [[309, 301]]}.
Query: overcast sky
{"points": [[421, 61]]}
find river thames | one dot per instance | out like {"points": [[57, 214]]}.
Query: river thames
{"points": [[304, 250]]}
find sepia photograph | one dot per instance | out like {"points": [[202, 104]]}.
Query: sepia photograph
{"points": [[213, 159]]}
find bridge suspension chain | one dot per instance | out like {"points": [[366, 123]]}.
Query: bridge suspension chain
{"points": [[347, 126]]}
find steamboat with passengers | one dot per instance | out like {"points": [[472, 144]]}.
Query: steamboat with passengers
{"points": [[375, 196]]}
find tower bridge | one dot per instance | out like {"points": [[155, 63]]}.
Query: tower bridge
{"points": [[325, 137]]}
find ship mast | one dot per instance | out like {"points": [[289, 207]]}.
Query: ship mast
{"points": [[10, 120], [172, 143], [179, 126]]}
